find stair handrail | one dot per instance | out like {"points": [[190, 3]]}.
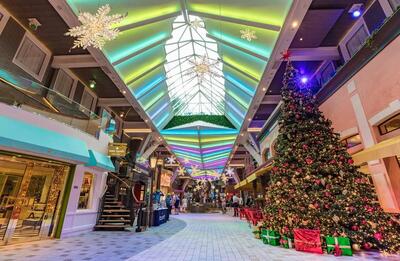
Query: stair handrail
{"points": [[101, 203], [132, 189]]}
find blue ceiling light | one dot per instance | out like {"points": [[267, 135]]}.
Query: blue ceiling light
{"points": [[356, 13], [304, 79], [356, 10]]}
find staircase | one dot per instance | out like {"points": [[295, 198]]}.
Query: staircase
{"points": [[114, 215]]}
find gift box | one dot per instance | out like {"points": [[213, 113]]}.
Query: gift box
{"points": [[286, 242], [270, 237], [307, 240], [338, 246]]}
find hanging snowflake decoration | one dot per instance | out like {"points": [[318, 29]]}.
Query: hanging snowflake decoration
{"points": [[186, 160], [95, 30], [196, 24], [230, 172], [248, 34], [224, 178], [171, 160], [195, 170], [181, 171], [201, 67]]}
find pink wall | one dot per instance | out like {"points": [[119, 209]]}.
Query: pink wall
{"points": [[377, 86]]}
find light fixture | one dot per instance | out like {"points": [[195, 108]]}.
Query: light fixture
{"points": [[153, 162], [356, 13], [295, 24], [264, 89], [301, 39], [123, 92], [254, 129], [356, 10], [92, 84], [142, 130], [121, 115], [34, 23], [249, 119], [304, 79]]}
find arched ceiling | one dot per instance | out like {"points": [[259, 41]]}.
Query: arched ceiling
{"points": [[156, 31]]}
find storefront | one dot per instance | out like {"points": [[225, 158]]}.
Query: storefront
{"points": [[31, 194]]}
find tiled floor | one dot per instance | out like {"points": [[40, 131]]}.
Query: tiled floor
{"points": [[186, 237]]}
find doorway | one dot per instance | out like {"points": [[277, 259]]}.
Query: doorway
{"points": [[30, 192]]}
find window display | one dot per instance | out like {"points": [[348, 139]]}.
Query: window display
{"points": [[86, 192]]}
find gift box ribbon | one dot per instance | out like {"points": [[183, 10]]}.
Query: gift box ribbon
{"points": [[308, 243], [337, 244]]}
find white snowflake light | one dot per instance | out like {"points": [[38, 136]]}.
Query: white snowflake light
{"points": [[224, 178], [171, 160], [195, 170], [230, 172], [248, 34], [95, 30], [196, 24], [201, 67], [181, 171]]}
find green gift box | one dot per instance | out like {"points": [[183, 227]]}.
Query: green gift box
{"points": [[286, 242], [342, 242], [270, 237]]}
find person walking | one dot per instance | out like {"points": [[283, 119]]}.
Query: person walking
{"points": [[168, 203], [223, 205], [177, 204], [235, 205], [184, 204]]}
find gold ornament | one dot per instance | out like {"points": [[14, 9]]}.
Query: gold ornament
{"points": [[356, 247]]}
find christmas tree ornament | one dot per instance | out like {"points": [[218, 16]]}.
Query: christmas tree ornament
{"points": [[95, 30]]}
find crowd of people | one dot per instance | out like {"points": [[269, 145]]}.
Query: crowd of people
{"points": [[175, 205]]}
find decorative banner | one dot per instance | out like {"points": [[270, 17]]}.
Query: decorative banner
{"points": [[117, 149]]}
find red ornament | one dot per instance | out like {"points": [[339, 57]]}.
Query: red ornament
{"points": [[354, 228], [367, 246], [327, 194], [350, 161], [285, 55], [378, 236], [305, 146], [317, 181], [309, 161]]}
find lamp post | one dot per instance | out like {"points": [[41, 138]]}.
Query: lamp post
{"points": [[153, 162]]}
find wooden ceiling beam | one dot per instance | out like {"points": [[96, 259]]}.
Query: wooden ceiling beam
{"points": [[74, 61]]}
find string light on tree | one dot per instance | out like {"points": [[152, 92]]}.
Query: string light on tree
{"points": [[95, 30], [248, 34]]}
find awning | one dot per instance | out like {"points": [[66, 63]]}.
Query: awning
{"points": [[15, 134], [256, 173], [100, 160], [384, 149]]}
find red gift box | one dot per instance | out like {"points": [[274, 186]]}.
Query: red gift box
{"points": [[307, 240]]}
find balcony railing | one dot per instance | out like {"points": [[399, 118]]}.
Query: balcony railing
{"points": [[36, 98]]}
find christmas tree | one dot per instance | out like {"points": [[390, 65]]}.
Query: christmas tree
{"points": [[314, 183]]}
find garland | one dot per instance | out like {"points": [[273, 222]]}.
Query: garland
{"points": [[220, 120]]}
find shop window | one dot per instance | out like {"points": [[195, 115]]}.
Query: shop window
{"points": [[327, 72], [86, 194], [31, 57], [356, 41], [352, 141], [390, 125]]}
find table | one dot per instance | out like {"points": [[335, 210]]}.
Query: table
{"points": [[160, 216]]}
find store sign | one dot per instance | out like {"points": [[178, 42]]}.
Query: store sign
{"points": [[117, 149]]}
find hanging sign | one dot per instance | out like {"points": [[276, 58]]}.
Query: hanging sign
{"points": [[117, 149]]}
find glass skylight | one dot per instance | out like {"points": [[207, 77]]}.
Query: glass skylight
{"points": [[194, 69]]}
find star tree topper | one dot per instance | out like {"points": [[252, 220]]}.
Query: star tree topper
{"points": [[248, 34], [95, 30]]}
